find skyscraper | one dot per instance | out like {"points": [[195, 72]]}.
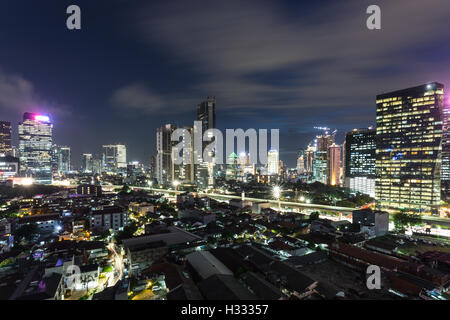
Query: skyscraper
{"points": [[300, 163], [309, 161], [359, 161], [64, 160], [186, 172], [114, 158], [35, 143], [445, 179], [272, 162], [5, 138], [206, 113], [86, 163], [334, 165], [320, 164], [164, 145], [205, 171], [408, 155]]}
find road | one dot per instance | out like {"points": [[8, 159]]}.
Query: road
{"points": [[118, 265]]}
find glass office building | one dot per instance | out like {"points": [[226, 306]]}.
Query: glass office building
{"points": [[408, 154], [35, 143], [5, 138], [359, 161]]}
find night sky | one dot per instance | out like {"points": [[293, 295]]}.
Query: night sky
{"points": [[136, 65]]}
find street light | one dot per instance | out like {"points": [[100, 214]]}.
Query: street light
{"points": [[175, 184], [302, 199]]}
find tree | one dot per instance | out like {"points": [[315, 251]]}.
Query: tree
{"points": [[26, 232], [314, 216], [404, 220]]}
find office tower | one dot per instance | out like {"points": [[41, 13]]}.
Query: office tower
{"points": [[309, 161], [445, 179], [35, 143], [334, 165], [359, 161], [320, 163], [5, 138], [206, 113], [272, 162], [186, 170], [9, 167], [55, 159], [64, 160], [408, 156], [232, 167], [114, 158], [205, 171], [164, 145], [86, 163], [301, 163], [97, 166]]}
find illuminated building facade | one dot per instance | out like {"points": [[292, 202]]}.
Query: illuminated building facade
{"points": [[445, 179], [64, 161], [300, 163], [359, 160], [114, 158], [9, 167], [205, 172], [185, 172], [334, 165], [408, 154], [320, 162], [86, 163], [5, 138], [232, 167], [35, 143], [164, 145], [309, 161], [272, 162]]}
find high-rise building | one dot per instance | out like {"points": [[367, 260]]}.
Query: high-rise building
{"points": [[445, 178], [232, 167], [334, 165], [206, 113], [320, 163], [273, 162], [9, 167], [86, 163], [5, 138], [359, 161], [114, 158], [309, 160], [164, 146], [301, 163], [185, 172], [55, 159], [408, 155], [35, 143], [205, 171], [64, 165]]}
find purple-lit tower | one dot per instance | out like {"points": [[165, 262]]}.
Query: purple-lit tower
{"points": [[35, 143]]}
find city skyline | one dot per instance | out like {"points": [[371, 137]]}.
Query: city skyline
{"points": [[216, 157], [145, 76]]}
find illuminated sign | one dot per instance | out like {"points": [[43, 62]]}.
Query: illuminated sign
{"points": [[41, 118]]}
